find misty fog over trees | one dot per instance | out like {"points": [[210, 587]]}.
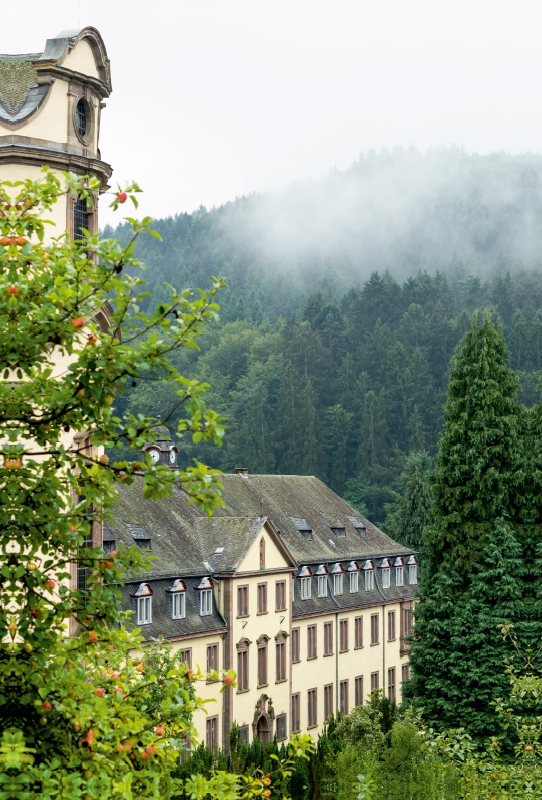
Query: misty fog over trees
{"points": [[346, 299]]}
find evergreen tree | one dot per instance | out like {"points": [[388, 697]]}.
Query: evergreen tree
{"points": [[475, 577], [412, 513]]}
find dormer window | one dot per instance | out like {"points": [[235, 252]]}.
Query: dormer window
{"points": [[305, 581], [206, 602], [412, 570], [386, 573], [369, 576], [399, 571], [322, 585], [353, 570], [303, 527], [338, 578], [178, 599], [340, 533], [205, 589], [144, 604]]}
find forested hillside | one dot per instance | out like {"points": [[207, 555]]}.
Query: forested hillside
{"points": [[333, 350]]}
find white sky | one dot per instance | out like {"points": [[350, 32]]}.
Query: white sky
{"points": [[216, 98]]}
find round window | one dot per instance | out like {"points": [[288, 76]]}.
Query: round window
{"points": [[82, 118]]}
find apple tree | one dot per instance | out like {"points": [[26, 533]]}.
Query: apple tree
{"points": [[80, 716]]}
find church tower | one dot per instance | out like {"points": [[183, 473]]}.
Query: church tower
{"points": [[50, 108]]}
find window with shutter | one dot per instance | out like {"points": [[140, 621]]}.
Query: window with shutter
{"points": [[280, 596], [374, 629], [328, 638], [343, 694], [262, 663], [296, 713], [358, 632], [295, 646], [358, 690], [391, 684], [242, 601], [343, 635], [311, 641], [391, 626], [328, 701], [312, 710], [262, 598]]}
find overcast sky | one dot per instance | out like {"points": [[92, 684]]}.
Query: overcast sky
{"points": [[213, 99]]}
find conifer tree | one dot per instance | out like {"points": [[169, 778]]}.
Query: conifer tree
{"points": [[413, 511], [475, 576]]}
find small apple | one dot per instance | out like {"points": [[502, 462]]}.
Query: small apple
{"points": [[144, 755], [111, 647], [47, 706], [159, 730], [228, 680], [122, 197], [113, 554], [50, 584], [150, 749], [31, 566], [80, 393], [99, 692], [115, 675], [92, 636], [116, 690], [104, 459], [13, 290], [36, 612], [127, 746], [92, 339], [21, 241], [78, 322], [13, 463], [190, 674], [4, 241]]}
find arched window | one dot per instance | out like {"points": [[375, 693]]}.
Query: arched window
{"points": [[178, 599], [262, 553], [80, 219], [144, 604]]}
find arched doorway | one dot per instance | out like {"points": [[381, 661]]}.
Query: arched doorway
{"points": [[262, 729]]}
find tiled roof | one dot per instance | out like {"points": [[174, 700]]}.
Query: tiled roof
{"points": [[185, 543]]}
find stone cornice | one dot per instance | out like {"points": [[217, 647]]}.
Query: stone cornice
{"points": [[14, 152]]}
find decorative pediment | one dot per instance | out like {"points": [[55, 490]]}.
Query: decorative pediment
{"points": [[178, 586], [144, 590]]}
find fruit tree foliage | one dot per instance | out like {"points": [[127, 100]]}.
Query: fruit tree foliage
{"points": [[81, 716]]}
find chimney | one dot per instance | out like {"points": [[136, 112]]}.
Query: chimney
{"points": [[241, 470]]}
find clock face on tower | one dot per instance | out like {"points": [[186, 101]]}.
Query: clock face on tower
{"points": [[155, 455], [172, 456]]}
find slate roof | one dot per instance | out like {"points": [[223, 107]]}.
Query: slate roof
{"points": [[162, 624], [186, 544]]}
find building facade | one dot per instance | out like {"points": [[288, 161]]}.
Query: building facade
{"points": [[287, 584], [50, 110]]}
